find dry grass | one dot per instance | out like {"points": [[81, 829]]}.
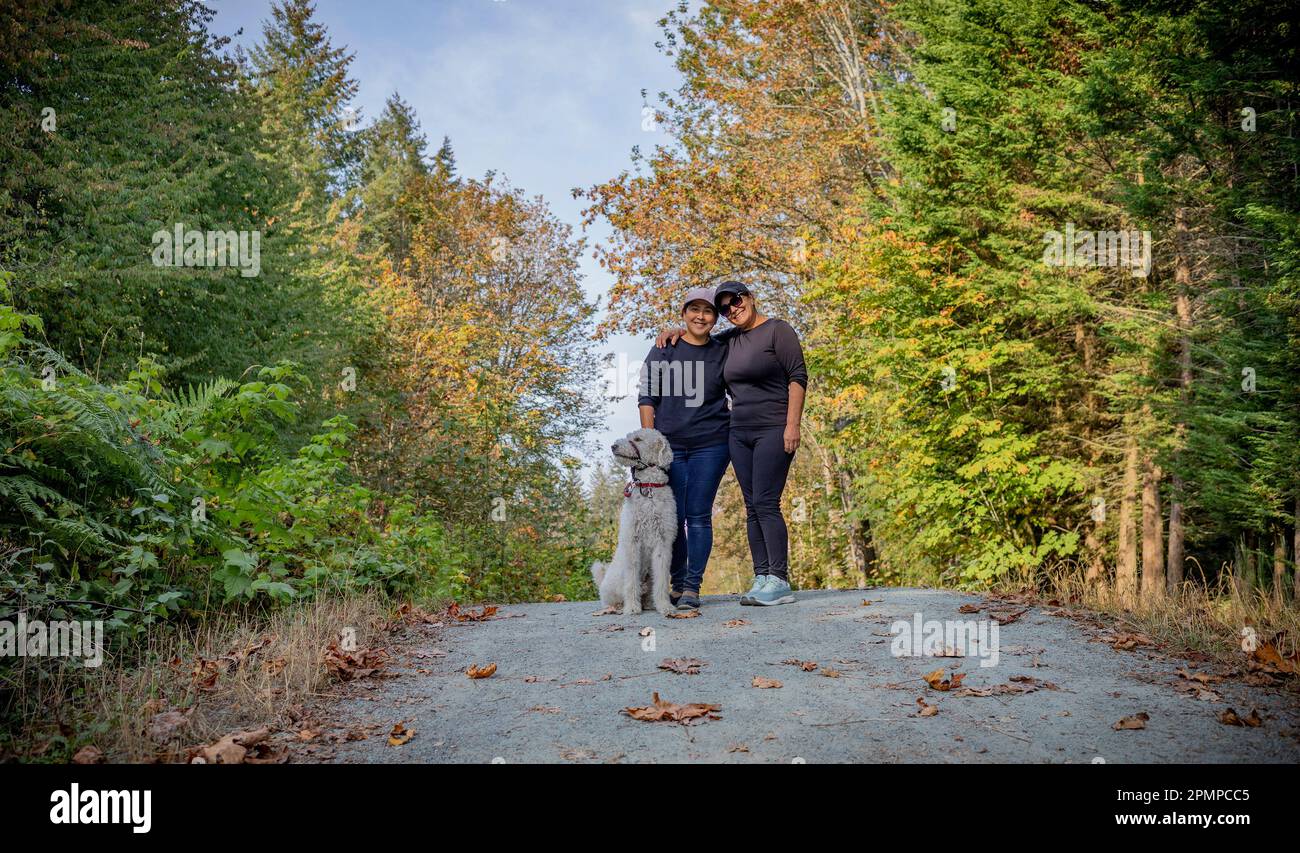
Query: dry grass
{"points": [[60, 708], [1201, 619]]}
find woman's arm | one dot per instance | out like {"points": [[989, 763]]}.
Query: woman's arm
{"points": [[793, 415], [790, 354], [649, 392]]}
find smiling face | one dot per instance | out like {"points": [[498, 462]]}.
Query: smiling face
{"points": [[700, 318], [738, 308]]}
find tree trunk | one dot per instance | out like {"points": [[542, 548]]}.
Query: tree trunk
{"points": [[1094, 577], [1174, 565], [1153, 540], [1248, 566], [1183, 312], [1279, 565], [1295, 555], [1126, 559]]}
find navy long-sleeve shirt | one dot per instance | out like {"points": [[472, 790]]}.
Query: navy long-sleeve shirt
{"points": [[684, 384]]}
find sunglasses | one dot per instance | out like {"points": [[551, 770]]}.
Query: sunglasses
{"points": [[733, 303]]}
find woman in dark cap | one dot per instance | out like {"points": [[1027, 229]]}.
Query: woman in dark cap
{"points": [[767, 380]]}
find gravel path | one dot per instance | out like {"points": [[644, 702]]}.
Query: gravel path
{"points": [[564, 673]]}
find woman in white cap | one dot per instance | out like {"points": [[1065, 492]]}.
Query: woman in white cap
{"points": [[684, 397], [767, 380]]}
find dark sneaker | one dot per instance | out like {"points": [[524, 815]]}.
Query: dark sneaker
{"points": [[674, 596], [690, 600]]}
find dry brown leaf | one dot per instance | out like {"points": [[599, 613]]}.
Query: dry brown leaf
{"points": [[663, 711], [1272, 660], [1133, 722], [1231, 718], [162, 727], [683, 614], [480, 615], [926, 710], [765, 683], [970, 608], [682, 666], [400, 735], [735, 623], [805, 665], [234, 748], [485, 671], [1202, 677], [1006, 617], [350, 666], [88, 755], [938, 682], [831, 673]]}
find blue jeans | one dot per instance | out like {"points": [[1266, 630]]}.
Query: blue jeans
{"points": [[694, 477]]}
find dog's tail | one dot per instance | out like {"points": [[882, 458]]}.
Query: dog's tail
{"points": [[598, 571]]}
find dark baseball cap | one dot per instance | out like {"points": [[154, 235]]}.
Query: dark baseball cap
{"points": [[728, 288]]}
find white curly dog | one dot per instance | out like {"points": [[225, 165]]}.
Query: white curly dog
{"points": [[638, 575]]}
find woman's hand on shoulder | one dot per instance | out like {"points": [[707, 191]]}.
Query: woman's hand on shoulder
{"points": [[668, 337]]}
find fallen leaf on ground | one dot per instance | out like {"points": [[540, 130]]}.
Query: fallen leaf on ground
{"points": [[88, 755], [1006, 617], [765, 683], [1230, 718], [683, 614], [664, 711], [1133, 722], [682, 666], [1271, 660], [485, 671], [607, 611], [400, 735], [970, 608], [234, 748], [1202, 677], [483, 613], [735, 623], [938, 682], [926, 710], [349, 666], [410, 613], [737, 747], [805, 665], [831, 673], [162, 727]]}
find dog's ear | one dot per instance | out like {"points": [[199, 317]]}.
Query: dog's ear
{"points": [[664, 451]]}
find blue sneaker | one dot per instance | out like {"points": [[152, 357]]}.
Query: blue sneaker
{"points": [[775, 591], [759, 582]]}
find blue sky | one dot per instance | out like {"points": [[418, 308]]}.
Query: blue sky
{"points": [[545, 92]]}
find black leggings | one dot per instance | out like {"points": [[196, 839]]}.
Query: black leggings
{"points": [[761, 464]]}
